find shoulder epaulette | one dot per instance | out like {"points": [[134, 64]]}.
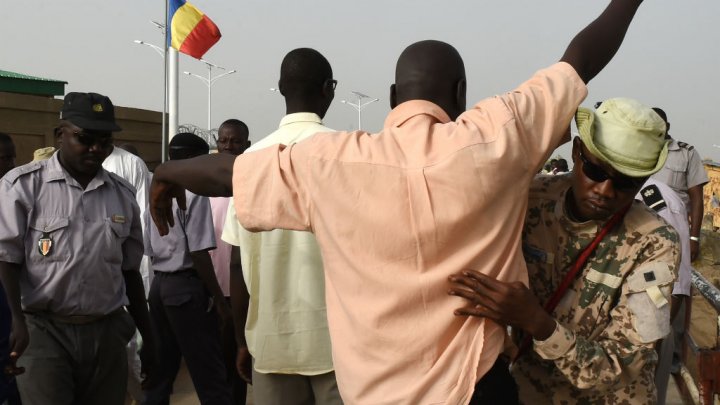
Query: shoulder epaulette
{"points": [[23, 170], [122, 182], [685, 145], [653, 198]]}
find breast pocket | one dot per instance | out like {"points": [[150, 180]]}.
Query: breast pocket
{"points": [[677, 172], [50, 239], [116, 234]]}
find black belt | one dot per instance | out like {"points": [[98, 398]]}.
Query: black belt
{"points": [[183, 272], [73, 319]]}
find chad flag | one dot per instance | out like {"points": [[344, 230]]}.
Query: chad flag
{"points": [[191, 31]]}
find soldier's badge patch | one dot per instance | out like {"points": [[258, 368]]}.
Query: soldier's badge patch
{"points": [[118, 219], [45, 244], [653, 198], [97, 107]]}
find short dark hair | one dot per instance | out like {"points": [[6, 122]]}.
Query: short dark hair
{"points": [[233, 122], [303, 72], [185, 145], [5, 138]]}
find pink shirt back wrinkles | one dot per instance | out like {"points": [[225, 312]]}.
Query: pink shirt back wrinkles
{"points": [[398, 212]]}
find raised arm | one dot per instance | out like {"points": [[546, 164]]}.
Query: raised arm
{"points": [[593, 47], [209, 175]]}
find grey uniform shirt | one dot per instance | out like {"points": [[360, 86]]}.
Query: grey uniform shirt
{"points": [[95, 234], [193, 231], [683, 169]]}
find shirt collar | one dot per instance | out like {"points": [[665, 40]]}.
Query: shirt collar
{"points": [[571, 226], [673, 145], [409, 109], [300, 117], [55, 172]]}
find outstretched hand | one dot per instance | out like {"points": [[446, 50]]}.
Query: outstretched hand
{"points": [[510, 304], [161, 195]]}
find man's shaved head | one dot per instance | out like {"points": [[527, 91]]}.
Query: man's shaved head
{"points": [[433, 71], [306, 81]]}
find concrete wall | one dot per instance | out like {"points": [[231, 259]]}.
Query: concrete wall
{"points": [[30, 121]]}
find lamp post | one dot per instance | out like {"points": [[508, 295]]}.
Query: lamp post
{"points": [[209, 80], [359, 105]]}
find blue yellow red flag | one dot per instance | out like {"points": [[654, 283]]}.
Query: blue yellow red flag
{"points": [[191, 31]]}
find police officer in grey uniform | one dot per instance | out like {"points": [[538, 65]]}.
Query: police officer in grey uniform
{"points": [[187, 305], [685, 174], [70, 247]]}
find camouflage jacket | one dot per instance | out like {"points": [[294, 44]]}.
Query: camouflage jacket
{"points": [[602, 350]]}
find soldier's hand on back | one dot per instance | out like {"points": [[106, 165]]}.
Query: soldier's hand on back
{"points": [[510, 304]]}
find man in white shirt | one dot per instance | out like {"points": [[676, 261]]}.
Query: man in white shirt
{"points": [[285, 319], [133, 169]]}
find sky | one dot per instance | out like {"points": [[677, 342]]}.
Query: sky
{"points": [[670, 57]]}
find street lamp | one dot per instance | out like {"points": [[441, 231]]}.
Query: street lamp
{"points": [[359, 105], [209, 80], [154, 47]]}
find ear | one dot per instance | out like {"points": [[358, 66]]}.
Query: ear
{"points": [[281, 87], [393, 96], [576, 149], [57, 132], [461, 94]]}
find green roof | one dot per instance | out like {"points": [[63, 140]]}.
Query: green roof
{"points": [[19, 83]]}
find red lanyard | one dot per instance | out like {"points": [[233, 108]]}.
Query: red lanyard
{"points": [[570, 276]]}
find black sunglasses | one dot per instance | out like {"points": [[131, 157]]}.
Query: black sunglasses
{"points": [[599, 175], [90, 139], [331, 82]]}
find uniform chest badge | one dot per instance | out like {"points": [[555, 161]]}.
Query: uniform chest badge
{"points": [[45, 244], [118, 219]]}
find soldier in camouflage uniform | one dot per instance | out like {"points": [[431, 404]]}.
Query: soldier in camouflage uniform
{"points": [[597, 345]]}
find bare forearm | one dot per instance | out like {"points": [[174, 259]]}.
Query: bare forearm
{"points": [[594, 46], [10, 277], [208, 175], [696, 210], [138, 306], [239, 296]]}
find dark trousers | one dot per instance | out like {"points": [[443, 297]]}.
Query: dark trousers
{"points": [[496, 387], [186, 326], [229, 348], [8, 386], [72, 364]]}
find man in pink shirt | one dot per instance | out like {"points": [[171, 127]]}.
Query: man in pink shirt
{"points": [[233, 139], [397, 212]]}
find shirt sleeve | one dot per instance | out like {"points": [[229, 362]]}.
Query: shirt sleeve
{"points": [[270, 190], [540, 110], [198, 223], [696, 174], [640, 318], [231, 228], [134, 246], [13, 222]]}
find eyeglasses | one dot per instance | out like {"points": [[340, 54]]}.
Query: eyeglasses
{"points": [[331, 82], [90, 139], [599, 175]]}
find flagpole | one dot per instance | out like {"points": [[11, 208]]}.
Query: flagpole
{"points": [[173, 90], [172, 80], [164, 135]]}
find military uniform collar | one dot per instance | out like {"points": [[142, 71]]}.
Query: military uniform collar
{"points": [[409, 109], [673, 145], [571, 226], [56, 172]]}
